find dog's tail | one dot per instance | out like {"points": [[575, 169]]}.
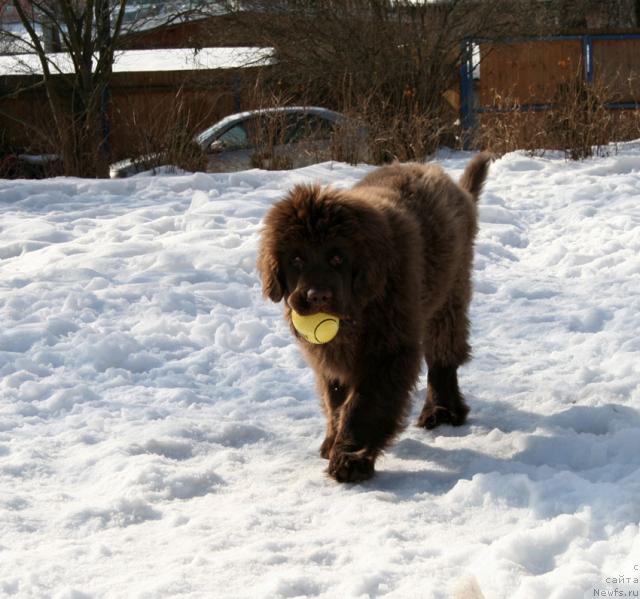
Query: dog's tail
{"points": [[474, 175]]}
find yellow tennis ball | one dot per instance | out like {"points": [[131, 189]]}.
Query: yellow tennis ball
{"points": [[316, 328]]}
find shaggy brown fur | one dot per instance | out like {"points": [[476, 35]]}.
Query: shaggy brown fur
{"points": [[391, 257]]}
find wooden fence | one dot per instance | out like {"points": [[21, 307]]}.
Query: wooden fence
{"points": [[529, 74], [141, 103]]}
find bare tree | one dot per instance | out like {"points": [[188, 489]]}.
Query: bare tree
{"points": [[86, 34]]}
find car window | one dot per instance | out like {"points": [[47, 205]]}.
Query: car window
{"points": [[307, 127], [273, 129], [268, 129], [234, 138]]}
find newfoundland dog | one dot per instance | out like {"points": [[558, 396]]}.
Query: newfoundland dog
{"points": [[391, 258]]}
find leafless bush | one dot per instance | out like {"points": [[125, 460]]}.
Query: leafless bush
{"points": [[579, 123], [374, 130], [507, 128], [387, 64], [351, 140], [167, 137], [270, 130], [411, 133]]}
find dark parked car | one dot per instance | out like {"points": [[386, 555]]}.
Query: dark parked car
{"points": [[272, 138], [20, 165]]}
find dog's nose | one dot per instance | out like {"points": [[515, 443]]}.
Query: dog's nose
{"points": [[318, 297]]}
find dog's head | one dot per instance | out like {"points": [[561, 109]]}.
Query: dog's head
{"points": [[323, 250]]}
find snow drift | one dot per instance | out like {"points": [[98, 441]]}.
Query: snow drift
{"points": [[159, 430]]}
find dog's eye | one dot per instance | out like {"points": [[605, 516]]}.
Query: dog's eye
{"points": [[297, 261], [335, 260]]}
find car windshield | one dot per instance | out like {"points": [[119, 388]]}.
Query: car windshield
{"points": [[268, 129]]}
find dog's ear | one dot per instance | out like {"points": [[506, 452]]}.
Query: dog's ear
{"points": [[278, 229], [271, 274]]}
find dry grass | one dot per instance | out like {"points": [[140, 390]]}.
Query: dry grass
{"points": [[167, 137], [579, 123]]}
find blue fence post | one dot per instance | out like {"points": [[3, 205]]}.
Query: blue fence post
{"points": [[466, 92]]}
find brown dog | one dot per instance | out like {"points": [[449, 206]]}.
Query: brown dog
{"points": [[392, 258]]}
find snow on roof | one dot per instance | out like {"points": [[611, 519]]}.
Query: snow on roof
{"points": [[127, 61]]}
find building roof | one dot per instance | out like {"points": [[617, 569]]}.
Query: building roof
{"points": [[176, 59]]}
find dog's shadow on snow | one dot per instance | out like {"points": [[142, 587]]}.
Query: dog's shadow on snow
{"points": [[578, 439]]}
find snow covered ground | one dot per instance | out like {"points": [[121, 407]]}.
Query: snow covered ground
{"points": [[159, 430]]}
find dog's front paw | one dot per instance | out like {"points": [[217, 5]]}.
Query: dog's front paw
{"points": [[433, 416], [326, 447], [350, 466]]}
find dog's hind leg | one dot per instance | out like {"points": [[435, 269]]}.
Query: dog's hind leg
{"points": [[446, 348], [445, 403]]}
